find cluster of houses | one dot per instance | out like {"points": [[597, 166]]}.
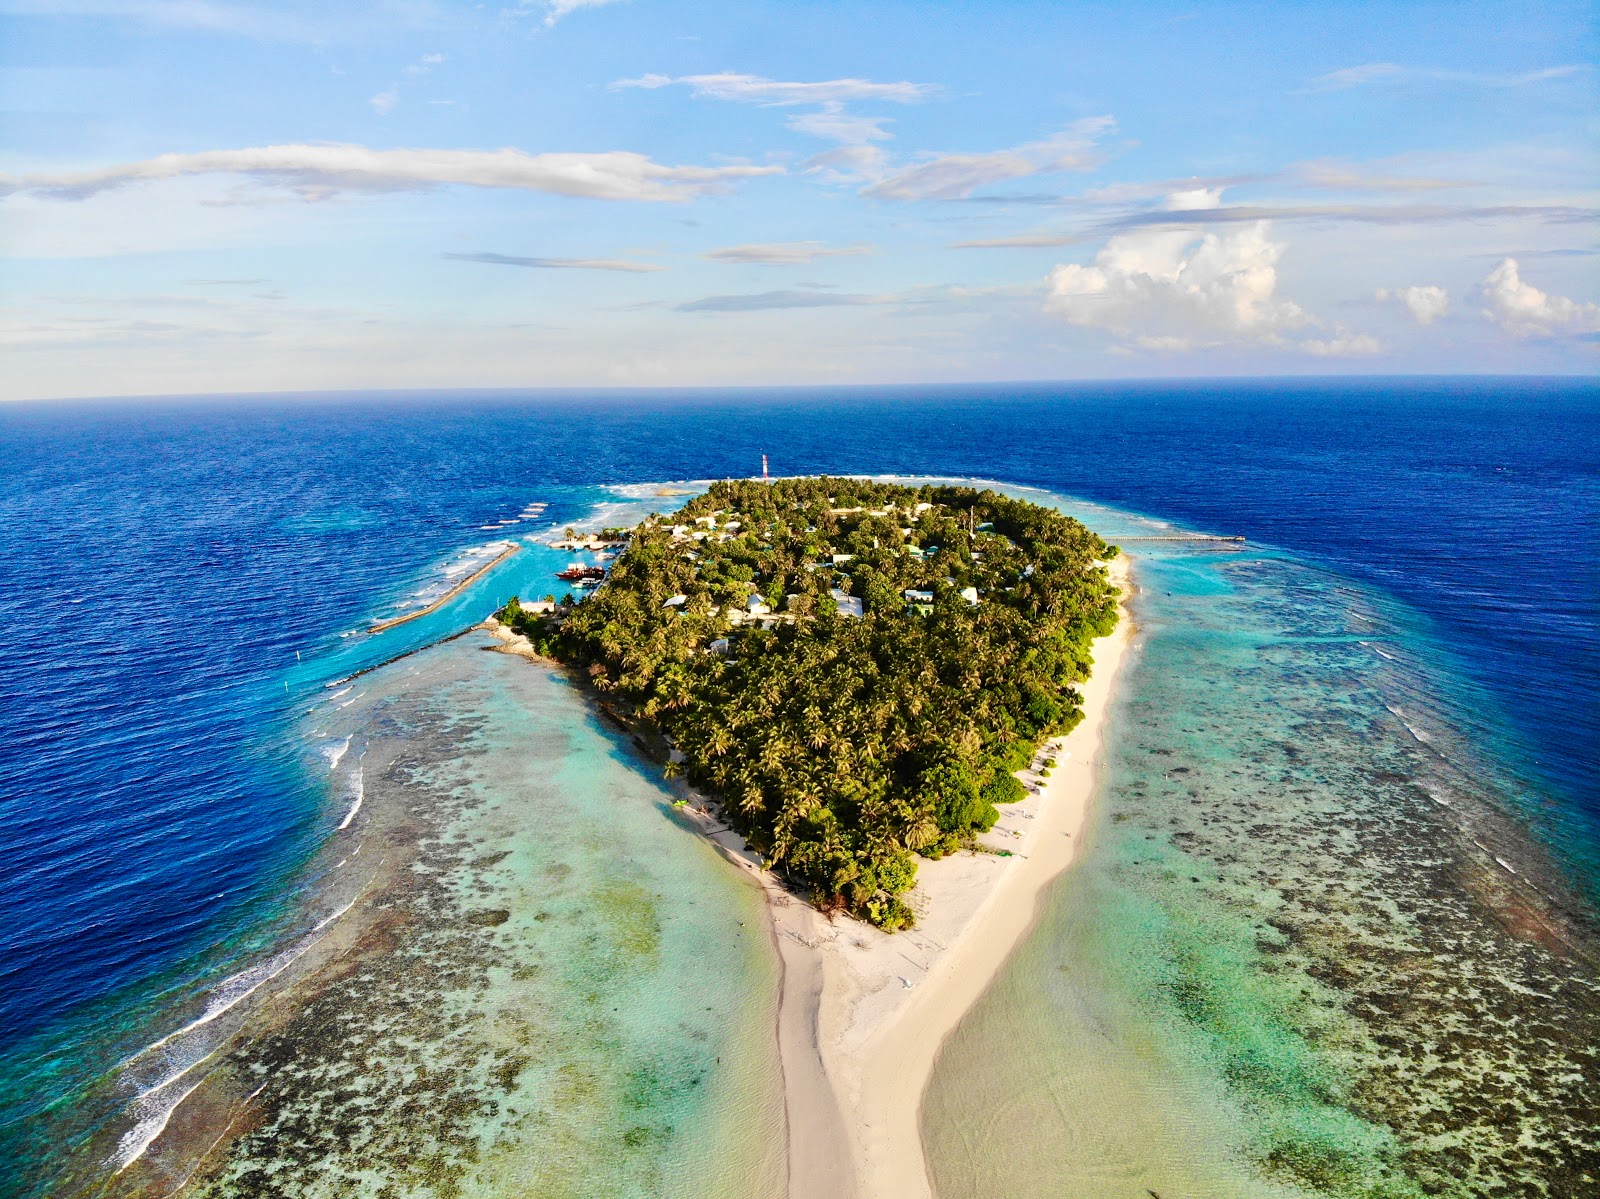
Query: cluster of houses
{"points": [[755, 609]]}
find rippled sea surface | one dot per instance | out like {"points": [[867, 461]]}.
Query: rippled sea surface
{"points": [[1335, 934]]}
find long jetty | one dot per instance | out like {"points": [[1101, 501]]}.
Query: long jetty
{"points": [[448, 595], [1182, 537]]}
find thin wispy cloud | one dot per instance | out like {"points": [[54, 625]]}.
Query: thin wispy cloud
{"points": [[320, 171], [1389, 72], [1371, 214], [956, 176], [1324, 214], [310, 23], [788, 253], [832, 123], [755, 89], [768, 300], [556, 9], [628, 265], [1332, 175]]}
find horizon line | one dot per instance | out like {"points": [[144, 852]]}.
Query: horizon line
{"points": [[580, 390]]}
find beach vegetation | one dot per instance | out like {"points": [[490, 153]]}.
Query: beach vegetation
{"points": [[855, 670]]}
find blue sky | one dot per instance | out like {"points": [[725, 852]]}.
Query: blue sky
{"points": [[212, 196]]}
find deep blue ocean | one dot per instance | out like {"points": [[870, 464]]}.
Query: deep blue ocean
{"points": [[177, 575]]}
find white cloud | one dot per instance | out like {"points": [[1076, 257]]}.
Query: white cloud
{"points": [[1525, 311], [754, 89], [319, 171], [1348, 77], [847, 164], [556, 9], [1195, 199], [1374, 72], [311, 23], [832, 123], [1178, 288], [954, 176], [384, 102], [626, 265], [1343, 344], [788, 253], [1331, 175], [1425, 301]]}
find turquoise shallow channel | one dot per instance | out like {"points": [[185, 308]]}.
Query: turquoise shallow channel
{"points": [[1305, 953]]}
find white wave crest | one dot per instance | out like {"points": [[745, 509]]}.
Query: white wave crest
{"points": [[336, 753], [361, 792]]}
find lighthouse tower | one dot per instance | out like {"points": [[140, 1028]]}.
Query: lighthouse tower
{"points": [[764, 475]]}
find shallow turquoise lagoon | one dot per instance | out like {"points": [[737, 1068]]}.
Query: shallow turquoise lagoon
{"points": [[1307, 952]]}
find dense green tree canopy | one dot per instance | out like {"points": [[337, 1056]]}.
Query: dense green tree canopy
{"points": [[842, 746]]}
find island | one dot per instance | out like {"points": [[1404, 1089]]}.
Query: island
{"points": [[856, 670]]}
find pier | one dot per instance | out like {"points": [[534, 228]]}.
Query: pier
{"points": [[448, 595], [1181, 537]]}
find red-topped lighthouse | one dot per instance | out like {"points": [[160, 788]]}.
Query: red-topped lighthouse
{"points": [[763, 468]]}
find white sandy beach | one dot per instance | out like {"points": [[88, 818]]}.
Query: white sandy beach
{"points": [[883, 1005], [863, 1014]]}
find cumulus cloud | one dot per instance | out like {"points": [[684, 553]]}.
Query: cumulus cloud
{"points": [[1179, 283], [319, 171], [954, 176], [788, 253], [1525, 311], [1426, 302], [568, 264], [754, 89], [1188, 287]]}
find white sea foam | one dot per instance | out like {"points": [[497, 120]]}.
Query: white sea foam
{"points": [[342, 690], [143, 1134], [335, 916], [166, 1082], [361, 791], [230, 993], [1506, 864], [152, 1106], [335, 753]]}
